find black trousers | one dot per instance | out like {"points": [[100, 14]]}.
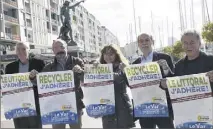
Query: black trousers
{"points": [[162, 122], [28, 122]]}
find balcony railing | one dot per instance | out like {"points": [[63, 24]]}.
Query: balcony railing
{"points": [[54, 21], [47, 18], [54, 10], [11, 19], [11, 36], [55, 32], [29, 25], [11, 3], [27, 9], [54, 1], [30, 40]]}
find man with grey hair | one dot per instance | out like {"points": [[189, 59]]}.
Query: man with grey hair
{"points": [[195, 61], [194, 57], [145, 44], [22, 65], [63, 62]]}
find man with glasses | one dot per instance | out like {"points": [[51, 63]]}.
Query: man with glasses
{"points": [[63, 62], [145, 43]]}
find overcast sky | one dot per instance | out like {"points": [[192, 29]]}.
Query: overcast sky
{"points": [[117, 15]]}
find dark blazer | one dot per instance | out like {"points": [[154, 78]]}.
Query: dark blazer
{"points": [[157, 56], [36, 64]]}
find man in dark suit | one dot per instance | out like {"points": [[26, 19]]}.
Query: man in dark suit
{"points": [[145, 43], [22, 65], [63, 62]]}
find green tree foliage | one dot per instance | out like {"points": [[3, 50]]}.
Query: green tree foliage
{"points": [[207, 32], [176, 50], [168, 50]]}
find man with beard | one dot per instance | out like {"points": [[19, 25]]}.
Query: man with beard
{"points": [[63, 62]]}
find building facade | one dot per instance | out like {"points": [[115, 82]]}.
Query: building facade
{"points": [[131, 51], [37, 22], [107, 37]]}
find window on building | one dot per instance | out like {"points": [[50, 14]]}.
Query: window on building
{"points": [[83, 38], [58, 18], [48, 25], [29, 36], [23, 16], [74, 18], [25, 32], [8, 30], [47, 13], [53, 16], [81, 15], [5, 12], [27, 5], [29, 23], [54, 28], [13, 13]]}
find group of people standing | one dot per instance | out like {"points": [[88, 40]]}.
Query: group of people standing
{"points": [[111, 54]]}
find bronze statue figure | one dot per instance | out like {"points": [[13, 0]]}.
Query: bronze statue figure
{"points": [[66, 21]]}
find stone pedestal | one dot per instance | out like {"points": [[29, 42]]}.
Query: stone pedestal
{"points": [[71, 43]]}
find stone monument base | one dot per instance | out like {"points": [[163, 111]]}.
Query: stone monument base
{"points": [[71, 43]]}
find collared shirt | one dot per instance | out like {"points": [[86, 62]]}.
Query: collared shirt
{"points": [[147, 59], [23, 68]]}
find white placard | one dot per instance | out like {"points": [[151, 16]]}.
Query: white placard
{"points": [[149, 99], [57, 97], [191, 97], [99, 90], [18, 96]]}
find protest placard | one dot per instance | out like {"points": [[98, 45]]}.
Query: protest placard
{"points": [[57, 97], [99, 90], [18, 96], [149, 98], [191, 98]]}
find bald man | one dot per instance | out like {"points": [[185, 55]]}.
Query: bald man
{"points": [[145, 43]]}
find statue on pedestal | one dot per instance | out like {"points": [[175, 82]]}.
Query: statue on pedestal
{"points": [[66, 22]]}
